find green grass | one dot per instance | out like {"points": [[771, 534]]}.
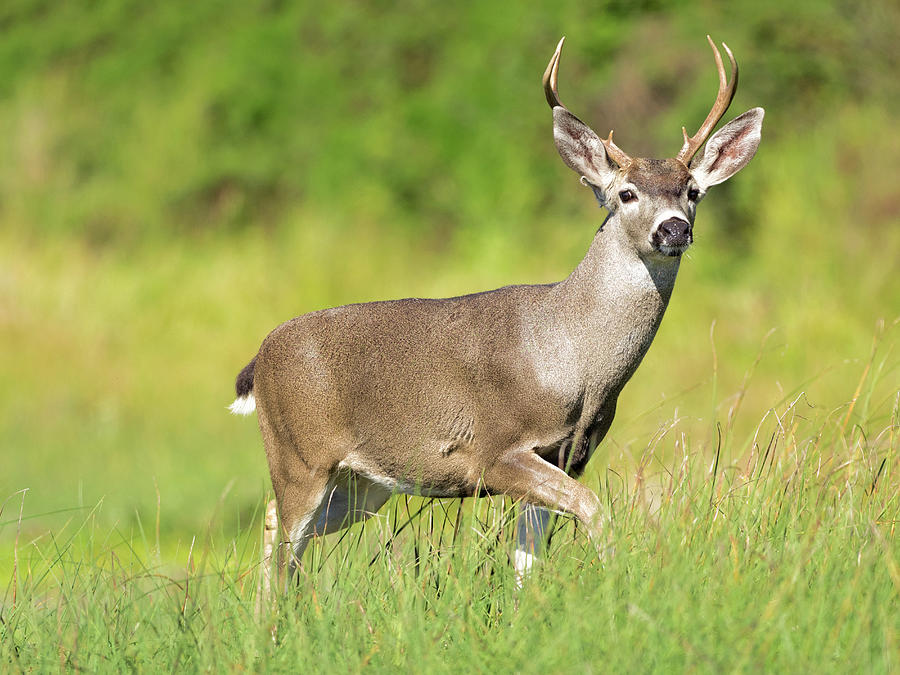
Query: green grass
{"points": [[778, 555], [164, 206]]}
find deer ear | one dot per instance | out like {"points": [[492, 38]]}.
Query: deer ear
{"points": [[582, 150], [730, 149]]}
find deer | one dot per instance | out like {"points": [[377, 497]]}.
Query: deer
{"points": [[502, 392]]}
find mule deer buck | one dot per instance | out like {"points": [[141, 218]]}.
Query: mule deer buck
{"points": [[501, 392]]}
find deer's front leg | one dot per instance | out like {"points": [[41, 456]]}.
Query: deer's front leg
{"points": [[531, 537], [523, 475]]}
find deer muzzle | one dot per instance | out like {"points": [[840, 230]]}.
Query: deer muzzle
{"points": [[672, 236]]}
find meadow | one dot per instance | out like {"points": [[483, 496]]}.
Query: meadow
{"points": [[181, 178]]}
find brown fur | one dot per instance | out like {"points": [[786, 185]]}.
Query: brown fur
{"points": [[659, 177]]}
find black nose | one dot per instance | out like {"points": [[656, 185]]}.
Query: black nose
{"points": [[675, 229], [674, 234]]}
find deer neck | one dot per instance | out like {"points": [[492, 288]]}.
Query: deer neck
{"points": [[612, 271], [615, 300]]}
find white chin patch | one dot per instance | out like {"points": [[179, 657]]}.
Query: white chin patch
{"points": [[243, 405], [672, 251]]}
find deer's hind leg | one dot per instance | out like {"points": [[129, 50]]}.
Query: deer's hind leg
{"points": [[300, 492], [351, 499], [270, 539], [300, 501]]}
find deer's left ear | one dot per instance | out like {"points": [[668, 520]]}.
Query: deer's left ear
{"points": [[729, 150]]}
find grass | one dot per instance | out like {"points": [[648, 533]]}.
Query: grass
{"points": [[769, 551], [164, 207]]}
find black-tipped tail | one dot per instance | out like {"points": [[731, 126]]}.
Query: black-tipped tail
{"points": [[243, 384]]}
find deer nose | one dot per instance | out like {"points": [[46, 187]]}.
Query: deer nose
{"points": [[675, 229], [672, 236]]}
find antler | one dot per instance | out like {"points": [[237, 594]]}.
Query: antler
{"points": [[551, 92], [723, 100], [550, 75]]}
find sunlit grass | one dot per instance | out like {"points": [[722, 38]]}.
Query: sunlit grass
{"points": [[774, 550]]}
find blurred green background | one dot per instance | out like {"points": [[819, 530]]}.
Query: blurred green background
{"points": [[178, 178]]}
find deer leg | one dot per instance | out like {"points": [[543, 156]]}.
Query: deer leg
{"points": [[300, 491], [350, 501], [302, 498], [270, 538], [531, 537], [524, 475]]}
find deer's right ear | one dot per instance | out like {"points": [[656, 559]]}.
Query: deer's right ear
{"points": [[583, 151]]}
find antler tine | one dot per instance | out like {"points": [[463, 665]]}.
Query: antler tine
{"points": [[550, 78], [723, 100], [616, 153], [551, 91]]}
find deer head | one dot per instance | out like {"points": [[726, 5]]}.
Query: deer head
{"points": [[654, 201]]}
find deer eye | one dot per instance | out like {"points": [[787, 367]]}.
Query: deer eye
{"points": [[627, 196], [693, 194]]}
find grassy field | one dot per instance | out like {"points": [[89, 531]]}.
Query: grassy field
{"points": [[178, 180], [782, 558]]}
